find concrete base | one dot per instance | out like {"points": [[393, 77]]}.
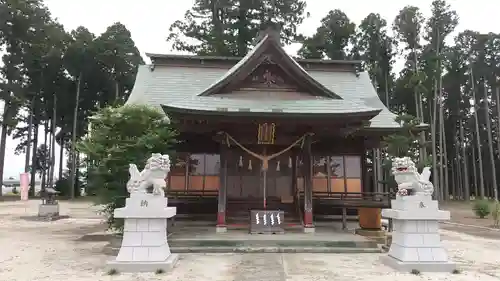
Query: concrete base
{"points": [[377, 235], [221, 229], [309, 229], [131, 266], [48, 210], [370, 232], [420, 266]]}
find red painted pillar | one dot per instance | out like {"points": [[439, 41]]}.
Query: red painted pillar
{"points": [[221, 210], [308, 210]]}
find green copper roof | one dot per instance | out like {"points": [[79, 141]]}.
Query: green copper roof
{"points": [[180, 86]]}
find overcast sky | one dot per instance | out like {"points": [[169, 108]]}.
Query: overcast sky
{"points": [[149, 20]]}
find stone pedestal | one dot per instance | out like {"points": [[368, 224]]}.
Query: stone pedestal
{"points": [[416, 242], [48, 210], [144, 246]]}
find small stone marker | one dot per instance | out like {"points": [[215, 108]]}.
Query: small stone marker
{"points": [[49, 208]]}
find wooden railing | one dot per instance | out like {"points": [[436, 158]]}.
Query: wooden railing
{"points": [[325, 203], [191, 193], [352, 199]]}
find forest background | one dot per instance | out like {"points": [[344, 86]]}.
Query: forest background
{"points": [[424, 68]]}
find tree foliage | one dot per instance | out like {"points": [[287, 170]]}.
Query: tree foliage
{"points": [[228, 27], [121, 136], [449, 84], [331, 38], [43, 63]]}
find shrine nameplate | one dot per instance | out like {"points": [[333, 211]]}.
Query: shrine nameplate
{"points": [[266, 221]]}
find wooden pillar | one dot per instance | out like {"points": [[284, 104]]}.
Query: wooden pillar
{"points": [[294, 174], [308, 212], [380, 171], [374, 171], [364, 173], [222, 195]]}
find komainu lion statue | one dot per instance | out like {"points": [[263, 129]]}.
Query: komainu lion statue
{"points": [[409, 180], [153, 174]]}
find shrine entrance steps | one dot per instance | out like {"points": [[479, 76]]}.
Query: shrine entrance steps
{"points": [[326, 239]]}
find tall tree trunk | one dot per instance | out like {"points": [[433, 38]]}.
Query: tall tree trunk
{"points": [[36, 127], [77, 179], [53, 142], [497, 95], [465, 166], [454, 182], [61, 158], [49, 154], [443, 168], [419, 110], [474, 168], [387, 104], [73, 137], [478, 139], [490, 143], [117, 91], [442, 150], [30, 131], [3, 144], [44, 170], [435, 175]]}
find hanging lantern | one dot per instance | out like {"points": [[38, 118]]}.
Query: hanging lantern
{"points": [[250, 164], [266, 133], [278, 166], [240, 164], [290, 162]]}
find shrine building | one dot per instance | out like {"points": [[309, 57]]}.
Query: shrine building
{"points": [[267, 132]]}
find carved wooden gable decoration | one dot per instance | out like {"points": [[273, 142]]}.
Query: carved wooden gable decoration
{"points": [[268, 69], [269, 75]]}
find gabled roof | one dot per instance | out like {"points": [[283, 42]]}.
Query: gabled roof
{"points": [[171, 85], [192, 84], [269, 49]]}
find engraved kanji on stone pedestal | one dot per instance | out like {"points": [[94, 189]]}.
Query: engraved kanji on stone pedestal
{"points": [[416, 242]]}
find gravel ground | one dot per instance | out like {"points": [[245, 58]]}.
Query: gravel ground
{"points": [[34, 250]]}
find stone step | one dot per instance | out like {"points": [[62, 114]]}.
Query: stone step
{"points": [[113, 251], [265, 242], [252, 249]]}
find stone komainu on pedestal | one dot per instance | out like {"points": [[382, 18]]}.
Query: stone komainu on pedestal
{"points": [[49, 206], [416, 242], [144, 245]]}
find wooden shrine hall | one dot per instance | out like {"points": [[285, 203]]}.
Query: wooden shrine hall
{"points": [[267, 140]]}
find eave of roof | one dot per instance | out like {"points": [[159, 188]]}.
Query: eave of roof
{"points": [[154, 56], [391, 130], [216, 107]]}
